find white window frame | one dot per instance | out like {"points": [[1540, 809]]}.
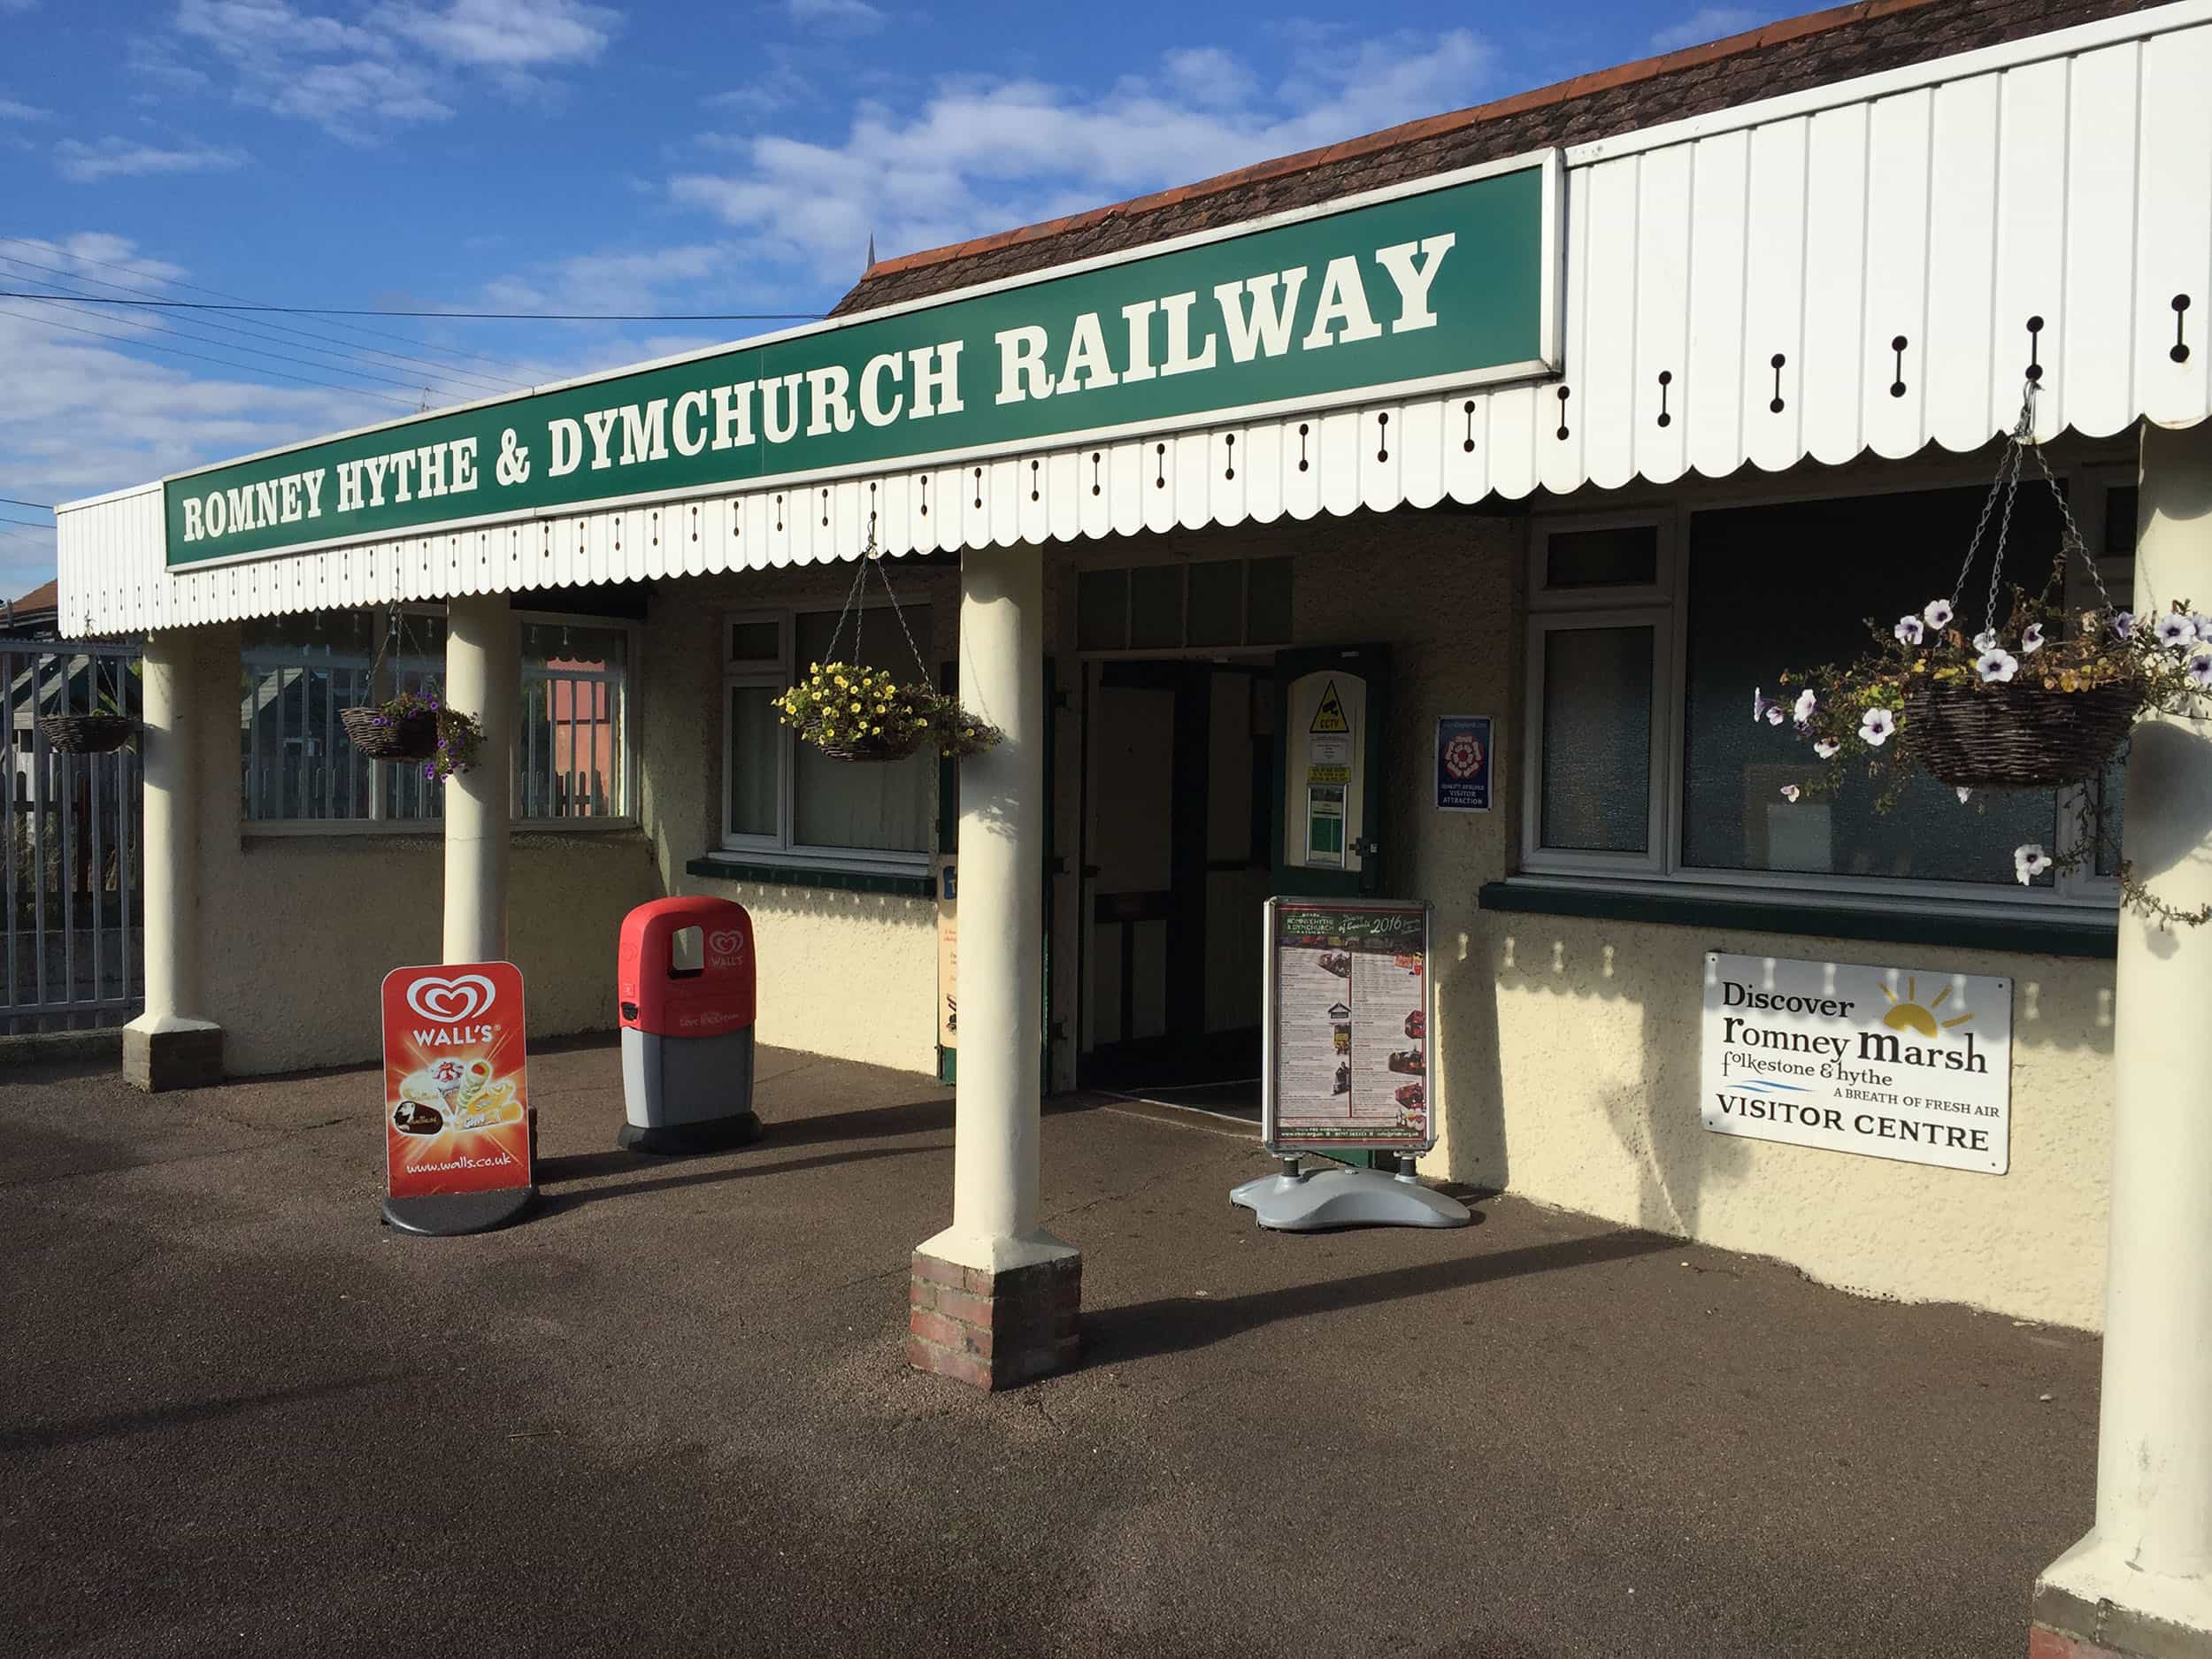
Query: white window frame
{"points": [[377, 824], [2076, 895], [774, 674]]}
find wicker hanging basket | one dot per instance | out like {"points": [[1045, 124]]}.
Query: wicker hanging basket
{"points": [[378, 735], [2012, 736], [872, 748], [86, 734]]}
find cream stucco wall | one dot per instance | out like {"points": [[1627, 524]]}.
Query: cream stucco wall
{"points": [[296, 931]]}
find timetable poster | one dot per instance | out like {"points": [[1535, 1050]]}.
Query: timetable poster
{"points": [[1348, 989]]}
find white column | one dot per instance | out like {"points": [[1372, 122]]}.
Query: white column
{"points": [[168, 743], [1002, 811], [2150, 1552], [480, 678]]}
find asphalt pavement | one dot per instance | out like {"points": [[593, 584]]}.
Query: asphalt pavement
{"points": [[670, 1413]]}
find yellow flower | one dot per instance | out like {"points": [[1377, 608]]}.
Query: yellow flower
{"points": [[876, 731], [856, 708]]}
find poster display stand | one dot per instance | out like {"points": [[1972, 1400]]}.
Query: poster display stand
{"points": [[1345, 1032], [456, 1100]]}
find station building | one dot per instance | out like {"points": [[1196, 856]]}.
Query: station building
{"points": [[1588, 411]]}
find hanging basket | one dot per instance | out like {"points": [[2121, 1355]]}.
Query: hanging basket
{"points": [[86, 734], [379, 736], [872, 748], [2012, 736]]}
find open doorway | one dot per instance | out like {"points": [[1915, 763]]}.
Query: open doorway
{"points": [[1180, 758]]}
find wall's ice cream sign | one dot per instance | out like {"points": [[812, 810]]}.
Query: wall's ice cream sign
{"points": [[1896, 1063], [1451, 284]]}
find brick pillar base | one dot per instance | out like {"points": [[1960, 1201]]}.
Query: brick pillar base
{"points": [[187, 1058], [994, 1329], [2068, 1627]]}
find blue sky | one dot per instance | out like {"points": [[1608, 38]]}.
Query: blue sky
{"points": [[553, 155]]}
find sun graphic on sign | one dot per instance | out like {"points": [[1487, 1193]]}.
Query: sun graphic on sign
{"points": [[1910, 1015]]}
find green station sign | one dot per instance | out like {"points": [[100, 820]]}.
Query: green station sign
{"points": [[1409, 290]]}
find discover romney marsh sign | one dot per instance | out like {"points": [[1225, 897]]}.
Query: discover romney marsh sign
{"points": [[1452, 281]]}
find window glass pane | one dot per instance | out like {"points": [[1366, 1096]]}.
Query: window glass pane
{"points": [[756, 642], [1267, 601], [1772, 587], [1625, 555], [1597, 739], [1156, 607], [751, 772], [1216, 603], [295, 674], [1102, 610], [863, 805]]}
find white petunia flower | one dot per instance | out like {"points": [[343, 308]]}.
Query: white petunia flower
{"points": [[1826, 749], [2031, 641], [2175, 631], [2200, 670], [2123, 624], [1997, 666], [1764, 708], [1790, 791], [1937, 613], [1986, 640], [1963, 793], [1875, 725], [1910, 629], [2028, 862], [1806, 703]]}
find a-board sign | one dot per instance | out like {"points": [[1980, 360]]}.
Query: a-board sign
{"points": [[1910, 1064], [1349, 1012], [456, 1099], [1465, 752]]}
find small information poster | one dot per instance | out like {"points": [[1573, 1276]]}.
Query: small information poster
{"points": [[1348, 1018], [1464, 757], [1910, 1064], [456, 1104]]}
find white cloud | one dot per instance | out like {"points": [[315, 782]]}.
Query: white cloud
{"points": [[405, 62], [985, 155], [1708, 23], [10, 111], [836, 17], [120, 158]]}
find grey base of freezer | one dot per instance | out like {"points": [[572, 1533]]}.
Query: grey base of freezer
{"points": [[687, 1094], [1319, 1199]]}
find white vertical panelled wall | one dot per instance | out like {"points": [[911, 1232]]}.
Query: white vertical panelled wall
{"points": [[1875, 265]]}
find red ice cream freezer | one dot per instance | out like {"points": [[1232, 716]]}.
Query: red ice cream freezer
{"points": [[687, 993]]}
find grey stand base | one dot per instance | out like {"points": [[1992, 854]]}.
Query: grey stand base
{"points": [[448, 1215], [713, 1134], [1301, 1201]]}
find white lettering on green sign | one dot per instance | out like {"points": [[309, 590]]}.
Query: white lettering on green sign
{"points": [[1450, 284]]}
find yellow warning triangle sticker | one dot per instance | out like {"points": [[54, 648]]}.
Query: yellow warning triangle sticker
{"points": [[1330, 716]]}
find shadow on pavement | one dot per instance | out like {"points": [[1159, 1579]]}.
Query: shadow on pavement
{"points": [[45, 1436], [577, 1166], [1177, 1323]]}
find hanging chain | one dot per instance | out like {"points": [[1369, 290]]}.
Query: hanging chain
{"points": [[2019, 441], [855, 606]]}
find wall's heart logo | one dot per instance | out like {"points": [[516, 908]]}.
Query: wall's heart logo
{"points": [[451, 1002], [728, 943]]}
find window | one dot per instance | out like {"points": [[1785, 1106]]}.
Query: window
{"points": [[1210, 603], [572, 755], [1650, 635], [784, 799]]}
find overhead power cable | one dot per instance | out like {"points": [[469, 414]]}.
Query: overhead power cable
{"points": [[253, 329], [465, 393], [134, 340], [250, 351], [479, 316], [533, 372], [29, 523], [12, 502]]}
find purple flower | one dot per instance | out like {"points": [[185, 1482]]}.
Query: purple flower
{"points": [[2028, 862], [1806, 703], [1790, 791], [2031, 641], [1937, 613], [2200, 670], [1826, 749], [1875, 725], [2175, 630], [1997, 666], [2123, 624], [1910, 629], [1986, 640], [1764, 708]]}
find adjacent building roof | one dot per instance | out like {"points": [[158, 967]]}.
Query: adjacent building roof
{"points": [[1816, 49]]}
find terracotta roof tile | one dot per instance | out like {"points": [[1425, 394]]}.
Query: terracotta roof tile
{"points": [[1784, 56]]}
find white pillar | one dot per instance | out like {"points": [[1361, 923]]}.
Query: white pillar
{"points": [[480, 678], [170, 1045], [2150, 1552], [1003, 804]]}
